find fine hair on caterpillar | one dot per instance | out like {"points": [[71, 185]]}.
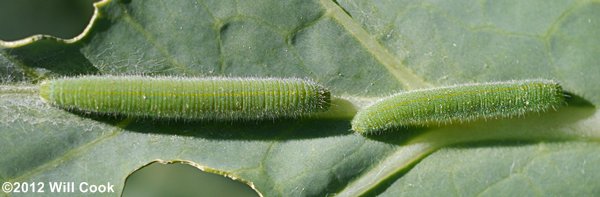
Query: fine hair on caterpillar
{"points": [[188, 98], [459, 103]]}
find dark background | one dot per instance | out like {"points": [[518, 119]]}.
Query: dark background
{"points": [[60, 18]]}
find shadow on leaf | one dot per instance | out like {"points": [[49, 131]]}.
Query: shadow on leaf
{"points": [[577, 101], [397, 136], [280, 129]]}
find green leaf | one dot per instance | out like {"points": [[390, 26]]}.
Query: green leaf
{"points": [[361, 50]]}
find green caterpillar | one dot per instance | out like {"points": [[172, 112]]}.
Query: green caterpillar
{"points": [[187, 98], [459, 103]]}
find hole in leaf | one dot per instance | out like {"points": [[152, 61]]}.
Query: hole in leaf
{"points": [[181, 178], [60, 18]]}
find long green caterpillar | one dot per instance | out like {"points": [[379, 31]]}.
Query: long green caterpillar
{"points": [[187, 98], [459, 103]]}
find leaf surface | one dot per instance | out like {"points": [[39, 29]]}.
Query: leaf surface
{"points": [[361, 50]]}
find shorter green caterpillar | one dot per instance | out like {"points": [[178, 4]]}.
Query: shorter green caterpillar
{"points": [[187, 98], [459, 104]]}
